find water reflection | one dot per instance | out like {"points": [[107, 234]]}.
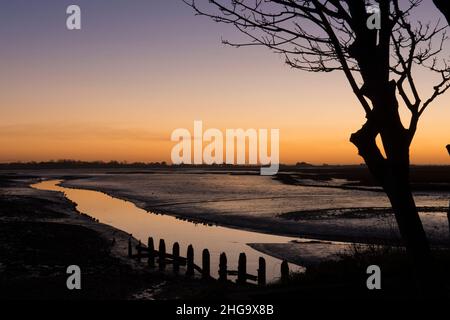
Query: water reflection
{"points": [[126, 216]]}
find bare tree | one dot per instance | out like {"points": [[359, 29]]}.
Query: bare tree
{"points": [[380, 65]]}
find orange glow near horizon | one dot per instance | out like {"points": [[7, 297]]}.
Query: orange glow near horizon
{"points": [[117, 122], [315, 141]]}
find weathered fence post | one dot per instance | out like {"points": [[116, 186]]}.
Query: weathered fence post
{"points": [[130, 249], [190, 261], [284, 271], [262, 272], [448, 217], [139, 250], [151, 252], [176, 257], [206, 267], [223, 267], [162, 254], [242, 269]]}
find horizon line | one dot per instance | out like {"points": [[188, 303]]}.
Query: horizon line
{"points": [[168, 164]]}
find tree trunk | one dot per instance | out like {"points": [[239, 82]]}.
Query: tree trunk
{"points": [[398, 190], [392, 173]]}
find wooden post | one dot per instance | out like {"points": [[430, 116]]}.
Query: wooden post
{"points": [[206, 266], [242, 269], [448, 217], [190, 261], [139, 250], [151, 252], [162, 254], [176, 257], [284, 271], [448, 212], [223, 267], [262, 272], [130, 249]]}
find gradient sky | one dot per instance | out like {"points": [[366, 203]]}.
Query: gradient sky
{"points": [[140, 69]]}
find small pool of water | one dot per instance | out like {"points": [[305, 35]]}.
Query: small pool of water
{"points": [[126, 216]]}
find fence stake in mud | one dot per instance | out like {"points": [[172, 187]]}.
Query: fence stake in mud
{"points": [[162, 254], [262, 272], [190, 261], [139, 250], [448, 217], [284, 271], [448, 211], [151, 252], [206, 267], [130, 249], [176, 257], [242, 269], [223, 267]]}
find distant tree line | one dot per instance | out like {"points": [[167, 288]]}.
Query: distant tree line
{"points": [[67, 164]]}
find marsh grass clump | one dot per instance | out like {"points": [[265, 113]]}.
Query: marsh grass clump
{"points": [[346, 277]]}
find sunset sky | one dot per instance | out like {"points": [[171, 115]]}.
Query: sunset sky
{"points": [[137, 70]]}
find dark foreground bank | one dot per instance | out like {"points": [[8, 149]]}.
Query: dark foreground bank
{"points": [[41, 234]]}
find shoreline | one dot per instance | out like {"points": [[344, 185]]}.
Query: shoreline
{"points": [[268, 225], [54, 224], [126, 278]]}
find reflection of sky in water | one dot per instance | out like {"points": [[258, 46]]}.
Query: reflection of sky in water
{"points": [[240, 194], [126, 216]]}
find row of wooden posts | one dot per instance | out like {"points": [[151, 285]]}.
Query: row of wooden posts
{"points": [[176, 260]]}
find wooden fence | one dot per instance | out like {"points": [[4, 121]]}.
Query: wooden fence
{"points": [[162, 258]]}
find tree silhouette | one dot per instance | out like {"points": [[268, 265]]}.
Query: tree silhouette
{"points": [[380, 65]]}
